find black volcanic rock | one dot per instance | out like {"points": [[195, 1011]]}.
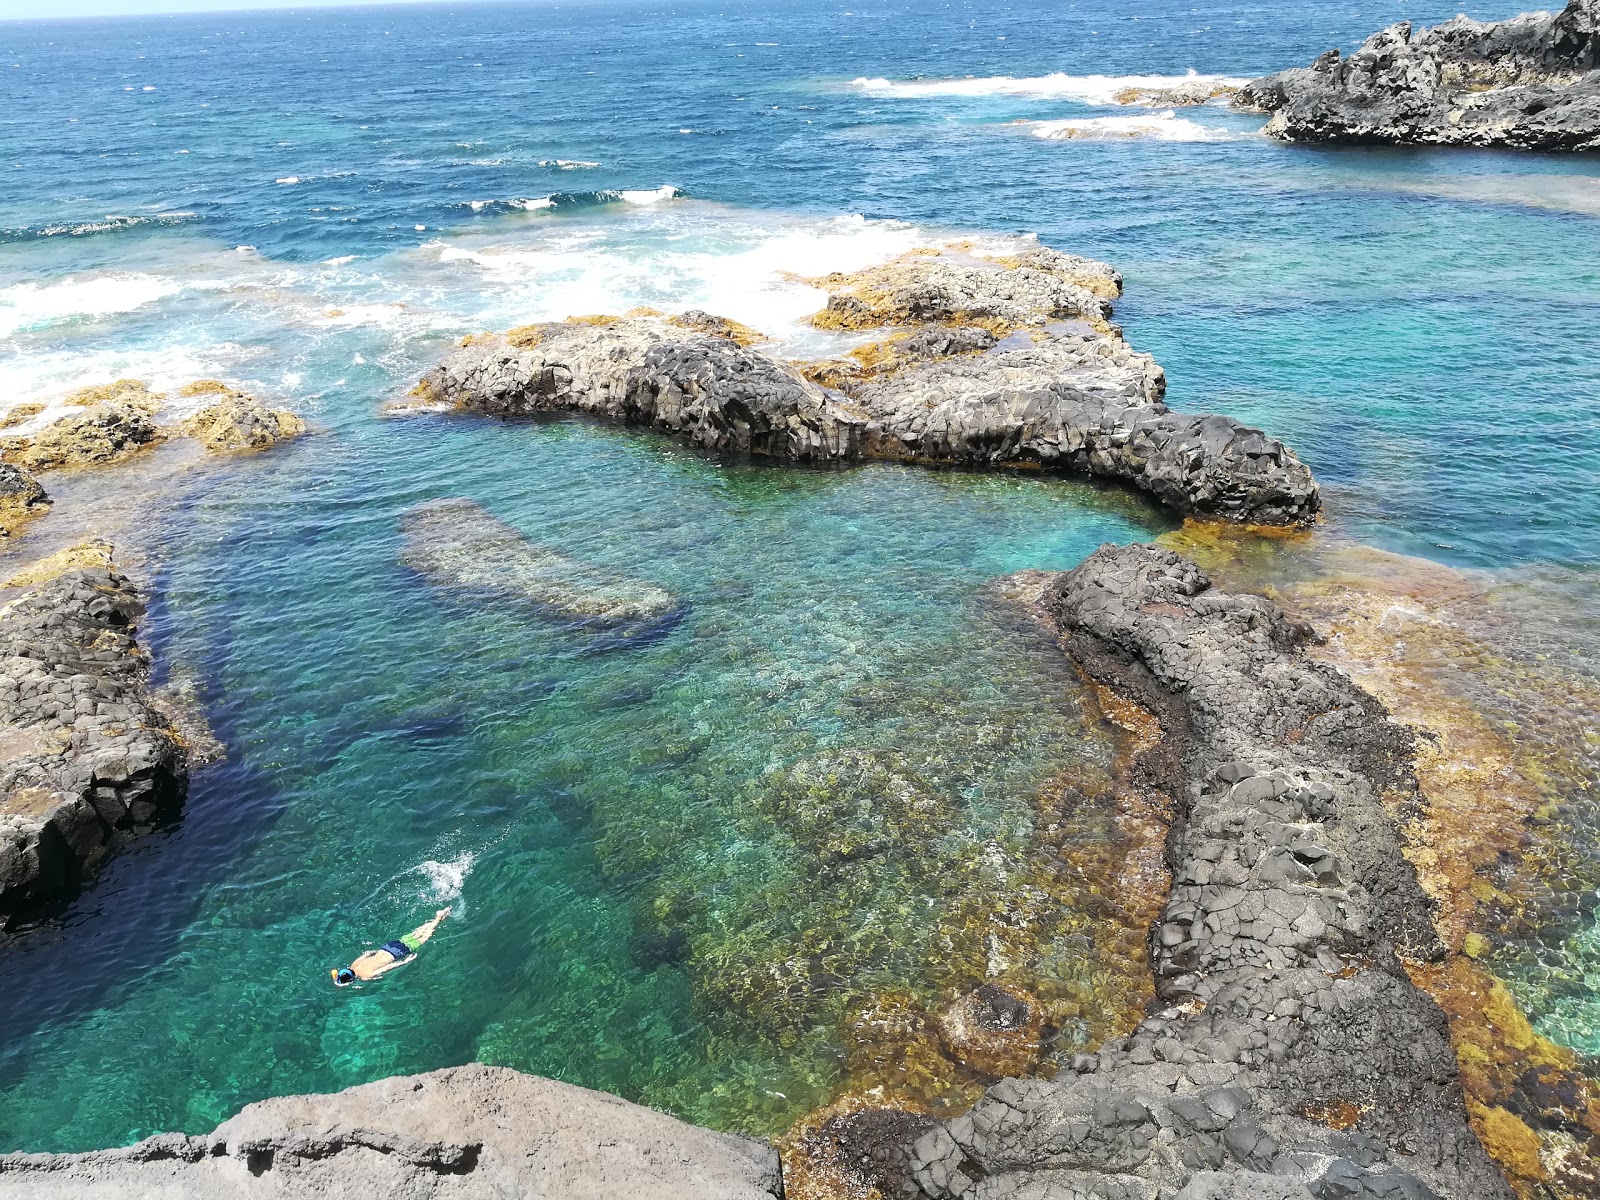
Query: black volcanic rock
{"points": [[1287, 1055], [1529, 83], [1062, 391]]}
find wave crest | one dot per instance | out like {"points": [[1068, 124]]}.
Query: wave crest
{"points": [[574, 201], [1104, 90], [1161, 127], [87, 228]]}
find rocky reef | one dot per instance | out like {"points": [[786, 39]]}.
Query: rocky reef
{"points": [[86, 758], [1529, 83], [985, 363], [459, 546], [108, 422], [471, 1131], [1287, 1053]]}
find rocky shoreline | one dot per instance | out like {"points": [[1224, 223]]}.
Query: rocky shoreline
{"points": [[89, 759], [1528, 83], [1288, 1053], [982, 363]]}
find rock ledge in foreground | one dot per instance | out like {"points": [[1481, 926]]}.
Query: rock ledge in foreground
{"points": [[1529, 83], [1288, 1055], [464, 1132]]}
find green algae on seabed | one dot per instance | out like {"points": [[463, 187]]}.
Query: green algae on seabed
{"points": [[616, 814]]}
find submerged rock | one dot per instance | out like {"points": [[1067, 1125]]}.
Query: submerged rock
{"points": [[460, 546], [86, 760], [464, 1132], [1529, 83], [1006, 363], [1288, 1054]]}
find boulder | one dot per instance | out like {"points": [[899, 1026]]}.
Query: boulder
{"points": [[21, 497], [463, 1133], [1528, 83], [236, 421]]}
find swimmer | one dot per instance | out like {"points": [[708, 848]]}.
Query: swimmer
{"points": [[388, 956]]}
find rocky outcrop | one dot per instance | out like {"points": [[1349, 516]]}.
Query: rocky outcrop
{"points": [[466, 1132], [105, 431], [1288, 1054], [21, 497], [117, 419], [458, 546], [236, 421], [1530, 83], [986, 363], [85, 760]]}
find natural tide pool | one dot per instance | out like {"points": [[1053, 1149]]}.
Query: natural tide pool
{"points": [[315, 205], [603, 819]]}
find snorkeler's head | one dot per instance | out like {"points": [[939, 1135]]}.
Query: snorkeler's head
{"points": [[343, 976]]}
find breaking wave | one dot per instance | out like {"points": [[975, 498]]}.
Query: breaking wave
{"points": [[576, 201], [1090, 89], [91, 226], [1161, 127], [27, 306]]}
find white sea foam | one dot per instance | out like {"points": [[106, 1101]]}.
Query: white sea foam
{"points": [[694, 255], [1090, 89], [1161, 126], [568, 164], [653, 196], [443, 880], [46, 377], [31, 306], [288, 179]]}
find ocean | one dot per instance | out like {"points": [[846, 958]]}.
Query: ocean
{"points": [[316, 204]]}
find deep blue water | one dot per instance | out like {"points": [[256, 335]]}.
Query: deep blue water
{"points": [[314, 204]]}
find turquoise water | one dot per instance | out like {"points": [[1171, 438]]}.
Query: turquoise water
{"points": [[626, 833]]}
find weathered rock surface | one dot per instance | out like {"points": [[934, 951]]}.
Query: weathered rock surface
{"points": [[462, 1133], [1005, 363], [21, 497], [237, 421], [1529, 83], [1288, 1055], [458, 545], [104, 432], [85, 761]]}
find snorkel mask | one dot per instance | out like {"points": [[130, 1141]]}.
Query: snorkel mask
{"points": [[342, 976]]}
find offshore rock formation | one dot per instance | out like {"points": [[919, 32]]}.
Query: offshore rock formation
{"points": [[1289, 1055], [989, 363], [460, 546], [119, 419], [86, 761], [237, 421], [464, 1132], [112, 426], [1530, 83]]}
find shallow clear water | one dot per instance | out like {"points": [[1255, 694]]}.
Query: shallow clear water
{"points": [[314, 205]]}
